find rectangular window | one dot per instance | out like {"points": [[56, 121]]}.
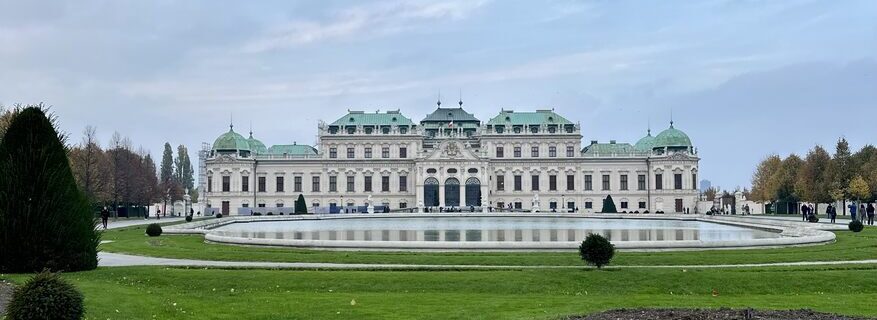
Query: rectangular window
{"points": [[261, 185], [534, 182], [403, 152], [677, 181], [552, 205], [209, 184], [368, 153], [534, 152], [606, 184], [385, 184], [519, 205], [570, 182], [570, 151], [589, 205], [403, 205], [226, 183], [350, 153], [623, 182], [589, 182], [552, 152], [296, 184], [500, 183], [500, 152], [659, 181], [261, 205], [641, 182], [315, 184], [642, 204], [333, 184], [385, 152], [368, 184], [333, 153], [279, 185], [245, 184], [351, 180], [245, 205], [517, 152], [518, 183], [403, 183], [624, 205], [694, 181], [552, 183]]}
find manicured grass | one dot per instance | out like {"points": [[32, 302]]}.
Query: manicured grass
{"points": [[179, 293], [849, 246]]}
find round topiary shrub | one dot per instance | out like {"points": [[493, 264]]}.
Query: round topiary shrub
{"points": [[596, 250], [856, 226], [218, 215], [45, 296], [813, 219], [270, 213], [188, 218], [153, 230]]}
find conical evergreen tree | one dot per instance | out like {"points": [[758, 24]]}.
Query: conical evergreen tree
{"points": [[45, 221], [609, 205], [301, 207]]}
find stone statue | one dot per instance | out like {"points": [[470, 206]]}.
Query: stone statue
{"points": [[420, 206], [535, 207], [370, 208]]}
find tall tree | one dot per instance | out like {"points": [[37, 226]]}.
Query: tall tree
{"points": [[710, 193], [859, 189], [167, 165], [786, 177], [841, 172], [45, 221], [812, 183], [763, 187], [865, 163], [6, 116], [91, 167], [183, 169]]}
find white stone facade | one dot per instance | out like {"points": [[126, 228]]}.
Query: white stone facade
{"points": [[405, 164]]}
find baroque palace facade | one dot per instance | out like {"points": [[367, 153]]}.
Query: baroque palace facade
{"points": [[527, 161]]}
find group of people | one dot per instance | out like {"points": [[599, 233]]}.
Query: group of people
{"points": [[862, 212]]}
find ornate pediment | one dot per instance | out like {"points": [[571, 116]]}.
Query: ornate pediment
{"points": [[453, 150]]}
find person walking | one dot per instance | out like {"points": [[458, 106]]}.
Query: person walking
{"points": [[870, 211], [805, 210], [862, 211], [853, 208], [832, 214], [830, 211], [104, 216]]}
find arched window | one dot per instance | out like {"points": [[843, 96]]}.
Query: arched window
{"points": [[431, 192], [473, 192], [452, 192]]}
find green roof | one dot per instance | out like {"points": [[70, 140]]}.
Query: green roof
{"points": [[292, 149], [355, 118], [609, 148], [508, 117], [450, 114], [230, 141], [646, 143], [672, 137], [256, 146]]}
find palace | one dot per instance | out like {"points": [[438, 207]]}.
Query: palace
{"points": [[521, 161]]}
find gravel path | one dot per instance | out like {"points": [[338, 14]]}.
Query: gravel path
{"points": [[5, 295], [123, 260]]}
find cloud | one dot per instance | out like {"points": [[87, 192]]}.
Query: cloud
{"points": [[380, 19]]}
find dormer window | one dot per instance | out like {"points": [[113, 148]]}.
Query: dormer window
{"points": [[403, 130], [550, 119], [394, 119], [351, 119]]}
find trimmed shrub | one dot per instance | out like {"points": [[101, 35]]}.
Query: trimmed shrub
{"points": [[218, 215], [609, 205], [596, 250], [45, 221], [188, 218], [270, 214], [856, 226], [301, 207], [257, 213], [153, 230], [45, 296], [813, 218]]}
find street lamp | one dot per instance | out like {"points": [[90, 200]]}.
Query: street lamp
{"points": [[562, 203], [343, 210]]}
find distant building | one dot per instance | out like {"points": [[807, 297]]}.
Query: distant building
{"points": [[705, 185], [516, 160]]}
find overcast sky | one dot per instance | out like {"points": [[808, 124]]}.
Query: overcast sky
{"points": [[742, 78]]}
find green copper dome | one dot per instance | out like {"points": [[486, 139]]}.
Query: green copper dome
{"points": [[256, 146], [672, 137], [646, 143], [231, 141]]}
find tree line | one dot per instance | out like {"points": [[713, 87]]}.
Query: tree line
{"points": [[819, 177], [119, 175]]}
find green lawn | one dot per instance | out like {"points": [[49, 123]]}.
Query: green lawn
{"points": [[849, 246], [179, 293]]}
